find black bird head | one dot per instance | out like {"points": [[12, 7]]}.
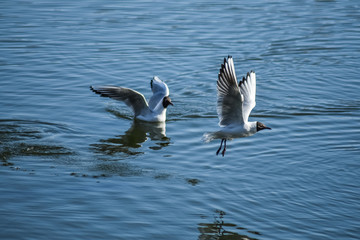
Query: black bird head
{"points": [[167, 101], [261, 126]]}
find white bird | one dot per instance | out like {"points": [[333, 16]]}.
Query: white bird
{"points": [[154, 111], [234, 104]]}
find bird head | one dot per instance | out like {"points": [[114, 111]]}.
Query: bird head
{"points": [[261, 126], [167, 101]]}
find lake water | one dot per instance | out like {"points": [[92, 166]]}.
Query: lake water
{"points": [[76, 166]]}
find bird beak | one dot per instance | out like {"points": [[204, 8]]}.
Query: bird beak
{"points": [[166, 102], [169, 101], [267, 128]]}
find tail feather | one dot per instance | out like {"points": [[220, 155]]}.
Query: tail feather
{"points": [[208, 137]]}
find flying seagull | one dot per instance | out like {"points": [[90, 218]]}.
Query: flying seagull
{"points": [[234, 104], [154, 111]]}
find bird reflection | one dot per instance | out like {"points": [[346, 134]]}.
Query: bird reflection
{"points": [[138, 133], [219, 229]]}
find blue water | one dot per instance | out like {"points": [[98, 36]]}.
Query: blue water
{"points": [[76, 166]]}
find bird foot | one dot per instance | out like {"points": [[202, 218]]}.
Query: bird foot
{"points": [[221, 144], [223, 152], [217, 152]]}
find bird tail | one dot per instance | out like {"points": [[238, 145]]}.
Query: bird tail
{"points": [[208, 137]]}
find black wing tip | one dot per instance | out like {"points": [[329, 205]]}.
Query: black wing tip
{"points": [[242, 81], [225, 69], [93, 89], [227, 59], [222, 72], [98, 92]]}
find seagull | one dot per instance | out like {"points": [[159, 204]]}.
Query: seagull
{"points": [[234, 104], [154, 111]]}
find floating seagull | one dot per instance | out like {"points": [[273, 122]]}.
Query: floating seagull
{"points": [[234, 104], [154, 111]]}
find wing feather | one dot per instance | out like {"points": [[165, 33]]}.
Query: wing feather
{"points": [[132, 98], [229, 104], [248, 90]]}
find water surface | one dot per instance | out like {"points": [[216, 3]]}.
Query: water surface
{"points": [[76, 166]]}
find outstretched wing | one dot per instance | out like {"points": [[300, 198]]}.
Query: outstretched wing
{"points": [[230, 100], [132, 98], [248, 90], [160, 90]]}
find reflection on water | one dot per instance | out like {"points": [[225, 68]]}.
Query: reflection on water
{"points": [[130, 143], [219, 229], [133, 139]]}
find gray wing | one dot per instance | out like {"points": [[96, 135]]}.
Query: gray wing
{"points": [[132, 98], [230, 100], [160, 90], [248, 90]]}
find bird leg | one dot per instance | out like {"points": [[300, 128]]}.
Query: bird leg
{"points": [[217, 152], [224, 150]]}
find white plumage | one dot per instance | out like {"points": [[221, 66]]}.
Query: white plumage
{"points": [[234, 104], [154, 111]]}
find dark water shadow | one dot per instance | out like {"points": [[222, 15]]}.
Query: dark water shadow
{"points": [[222, 230], [132, 140], [29, 138]]}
